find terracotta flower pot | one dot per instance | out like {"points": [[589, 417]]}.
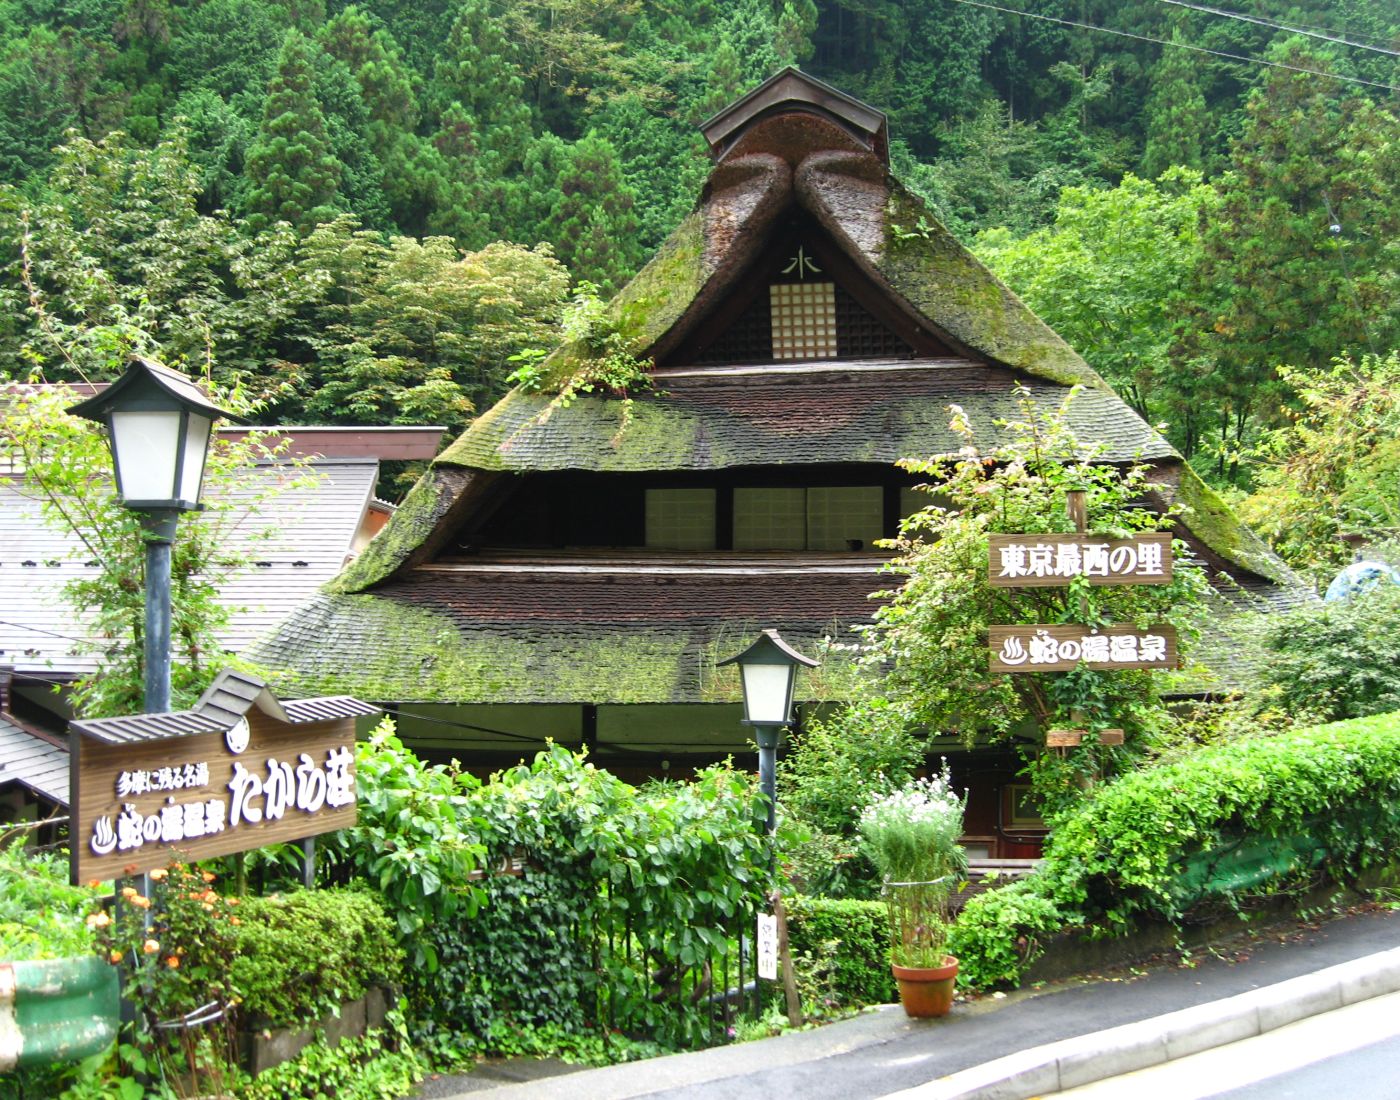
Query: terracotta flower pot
{"points": [[926, 991]]}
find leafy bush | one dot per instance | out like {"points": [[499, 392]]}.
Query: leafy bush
{"points": [[41, 916], [1000, 932], [379, 1066], [619, 918], [1337, 660], [1157, 845], [841, 947], [837, 764], [411, 842], [301, 955]]}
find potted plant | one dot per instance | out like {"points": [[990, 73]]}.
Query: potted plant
{"points": [[911, 836]]}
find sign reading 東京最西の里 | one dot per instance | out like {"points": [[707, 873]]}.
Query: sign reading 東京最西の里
{"points": [[141, 802], [1061, 648], [1032, 561]]}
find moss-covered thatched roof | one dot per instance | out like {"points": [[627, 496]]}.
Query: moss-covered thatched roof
{"points": [[396, 626], [602, 637], [827, 413]]}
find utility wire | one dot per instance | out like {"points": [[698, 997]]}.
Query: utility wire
{"points": [[1179, 45], [1280, 26]]}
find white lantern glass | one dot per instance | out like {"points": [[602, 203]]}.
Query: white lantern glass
{"points": [[196, 450], [146, 447], [768, 692]]}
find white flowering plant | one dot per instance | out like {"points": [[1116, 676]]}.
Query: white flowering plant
{"points": [[911, 836]]}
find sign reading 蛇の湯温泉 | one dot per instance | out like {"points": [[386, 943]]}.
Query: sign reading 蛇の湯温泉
{"points": [[1031, 561], [228, 775], [1061, 648]]}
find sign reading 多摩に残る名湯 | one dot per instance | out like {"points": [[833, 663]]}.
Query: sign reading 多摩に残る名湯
{"points": [[1061, 648], [1037, 561], [140, 800]]}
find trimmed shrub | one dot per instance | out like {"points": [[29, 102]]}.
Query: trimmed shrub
{"points": [[1166, 842], [841, 948], [301, 955]]}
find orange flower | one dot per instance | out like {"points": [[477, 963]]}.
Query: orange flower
{"points": [[173, 961], [210, 896], [114, 957], [140, 902], [234, 921], [208, 908], [98, 920], [128, 891], [158, 875], [150, 947], [208, 876]]}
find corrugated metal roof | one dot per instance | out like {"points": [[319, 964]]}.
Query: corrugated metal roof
{"points": [[297, 541], [33, 762]]}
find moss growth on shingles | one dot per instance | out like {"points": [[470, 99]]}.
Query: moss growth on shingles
{"points": [[583, 435], [377, 648], [1212, 520], [950, 286], [412, 522], [836, 678]]}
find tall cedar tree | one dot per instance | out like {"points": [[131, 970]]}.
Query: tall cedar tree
{"points": [[293, 174], [1299, 262]]}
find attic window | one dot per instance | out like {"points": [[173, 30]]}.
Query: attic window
{"points": [[804, 320]]}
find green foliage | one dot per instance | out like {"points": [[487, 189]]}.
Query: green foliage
{"points": [[416, 331], [381, 1065], [930, 639], [998, 933], [301, 955], [1158, 844], [834, 767], [840, 947], [623, 908], [412, 842], [1335, 660], [41, 916], [293, 173], [1298, 263], [1110, 275], [1335, 468]]}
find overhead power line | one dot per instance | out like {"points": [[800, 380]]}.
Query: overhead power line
{"points": [[1180, 45], [1273, 25]]}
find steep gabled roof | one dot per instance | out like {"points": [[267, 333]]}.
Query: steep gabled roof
{"points": [[794, 157]]}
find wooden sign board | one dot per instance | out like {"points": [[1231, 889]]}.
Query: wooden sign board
{"points": [[1061, 648], [136, 807], [1039, 561], [1065, 739]]}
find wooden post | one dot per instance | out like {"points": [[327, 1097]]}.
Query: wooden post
{"points": [[794, 1002], [1076, 506]]}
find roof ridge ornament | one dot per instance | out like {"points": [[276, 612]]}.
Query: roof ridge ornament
{"points": [[793, 92]]}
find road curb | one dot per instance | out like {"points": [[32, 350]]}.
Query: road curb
{"points": [[1072, 1062]]}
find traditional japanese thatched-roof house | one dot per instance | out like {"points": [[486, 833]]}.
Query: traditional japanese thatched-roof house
{"points": [[576, 570]]}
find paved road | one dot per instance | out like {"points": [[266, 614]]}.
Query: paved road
{"points": [[1351, 1052]]}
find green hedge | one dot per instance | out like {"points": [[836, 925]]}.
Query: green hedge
{"points": [[1157, 844], [842, 946], [301, 955]]}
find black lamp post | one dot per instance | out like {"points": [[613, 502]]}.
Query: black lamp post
{"points": [[768, 670], [158, 425]]}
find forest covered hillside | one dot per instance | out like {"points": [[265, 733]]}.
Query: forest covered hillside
{"points": [[366, 211]]}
